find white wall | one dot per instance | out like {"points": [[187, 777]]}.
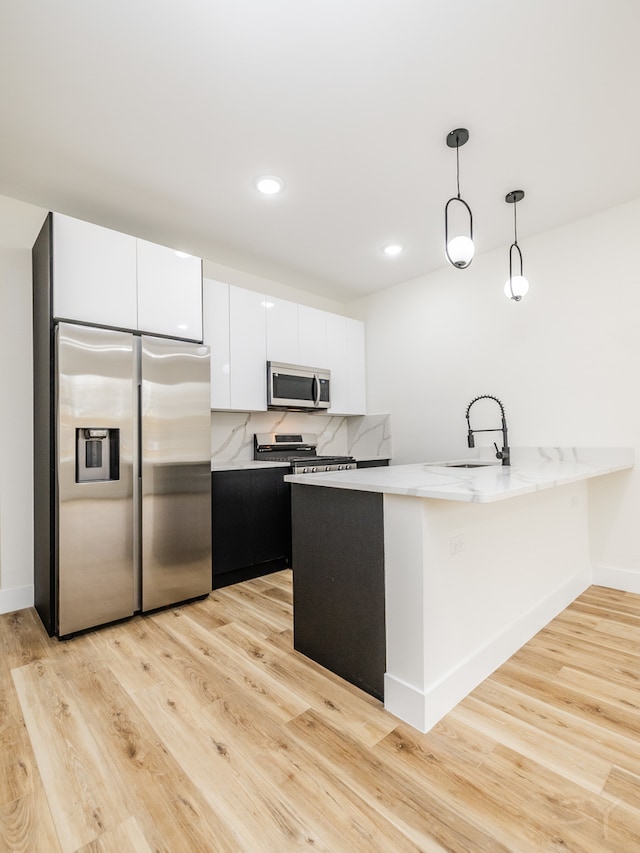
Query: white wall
{"points": [[565, 361], [16, 431]]}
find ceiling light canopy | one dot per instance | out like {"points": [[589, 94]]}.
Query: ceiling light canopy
{"points": [[517, 286], [458, 249], [269, 184]]}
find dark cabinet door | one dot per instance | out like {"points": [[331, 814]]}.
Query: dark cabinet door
{"points": [[230, 513], [271, 515], [251, 523]]}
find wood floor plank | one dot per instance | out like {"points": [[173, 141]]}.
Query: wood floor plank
{"points": [[415, 809], [127, 836], [263, 819], [527, 739], [83, 802], [584, 732], [167, 806], [200, 729], [319, 795], [334, 697], [26, 825], [237, 669]]}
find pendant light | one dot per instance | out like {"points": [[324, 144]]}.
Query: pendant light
{"points": [[459, 250], [517, 286]]}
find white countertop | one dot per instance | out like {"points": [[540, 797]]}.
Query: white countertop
{"points": [[533, 469]]}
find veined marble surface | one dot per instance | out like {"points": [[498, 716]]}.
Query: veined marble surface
{"points": [[232, 432], [532, 469], [369, 436], [362, 436]]}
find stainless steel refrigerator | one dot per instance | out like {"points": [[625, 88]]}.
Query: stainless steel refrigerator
{"points": [[131, 494]]}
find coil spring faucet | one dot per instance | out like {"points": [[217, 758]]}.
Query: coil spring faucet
{"points": [[503, 454]]}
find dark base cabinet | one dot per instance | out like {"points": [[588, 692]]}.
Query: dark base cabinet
{"points": [[338, 582], [372, 463], [251, 524]]}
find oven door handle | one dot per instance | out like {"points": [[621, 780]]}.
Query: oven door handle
{"points": [[316, 380]]}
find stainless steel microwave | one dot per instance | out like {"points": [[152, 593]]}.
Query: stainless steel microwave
{"points": [[290, 386]]}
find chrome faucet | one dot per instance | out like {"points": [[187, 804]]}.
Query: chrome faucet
{"points": [[503, 454]]}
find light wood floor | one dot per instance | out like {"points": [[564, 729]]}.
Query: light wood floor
{"points": [[200, 729]]}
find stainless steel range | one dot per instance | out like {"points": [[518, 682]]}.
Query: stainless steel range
{"points": [[298, 449]]}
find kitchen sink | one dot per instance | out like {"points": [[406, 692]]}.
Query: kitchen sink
{"points": [[467, 464]]}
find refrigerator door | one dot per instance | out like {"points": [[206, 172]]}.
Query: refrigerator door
{"points": [[94, 477], [176, 471]]}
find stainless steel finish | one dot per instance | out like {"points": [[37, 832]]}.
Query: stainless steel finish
{"points": [[468, 464], [265, 441], [313, 467], [176, 471], [316, 378], [95, 554], [300, 449]]}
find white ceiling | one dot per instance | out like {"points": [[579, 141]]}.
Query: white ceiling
{"points": [[154, 117]]}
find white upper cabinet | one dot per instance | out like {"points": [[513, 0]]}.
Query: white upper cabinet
{"points": [[94, 274], [247, 350], [337, 363], [346, 360], [112, 279], [282, 330], [356, 370], [169, 292], [215, 299], [312, 336]]}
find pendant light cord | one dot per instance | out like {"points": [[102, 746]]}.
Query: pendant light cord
{"points": [[515, 223], [458, 166]]}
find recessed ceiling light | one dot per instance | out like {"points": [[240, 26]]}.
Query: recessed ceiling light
{"points": [[269, 184], [393, 249], [182, 254]]}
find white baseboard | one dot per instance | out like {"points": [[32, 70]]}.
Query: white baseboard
{"points": [[626, 580], [17, 598], [423, 710]]}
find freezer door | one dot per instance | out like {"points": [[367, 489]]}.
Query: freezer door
{"points": [[95, 371], [176, 471]]}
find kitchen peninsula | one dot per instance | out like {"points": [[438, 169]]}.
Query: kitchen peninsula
{"points": [[416, 581]]}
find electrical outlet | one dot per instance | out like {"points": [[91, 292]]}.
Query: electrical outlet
{"points": [[456, 543]]}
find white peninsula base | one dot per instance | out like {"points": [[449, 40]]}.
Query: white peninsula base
{"points": [[452, 618]]}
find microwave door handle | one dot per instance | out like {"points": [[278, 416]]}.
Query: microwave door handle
{"points": [[316, 380]]}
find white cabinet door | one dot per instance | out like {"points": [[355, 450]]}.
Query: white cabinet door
{"points": [[356, 374], [346, 359], [247, 350], [312, 336], [337, 363], [94, 274], [215, 300], [282, 330], [169, 292]]}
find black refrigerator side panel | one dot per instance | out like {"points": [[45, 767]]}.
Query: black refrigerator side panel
{"points": [[43, 434]]}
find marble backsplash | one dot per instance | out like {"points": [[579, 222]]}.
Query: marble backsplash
{"points": [[362, 436]]}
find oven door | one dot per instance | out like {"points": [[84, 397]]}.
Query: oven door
{"points": [[291, 386]]}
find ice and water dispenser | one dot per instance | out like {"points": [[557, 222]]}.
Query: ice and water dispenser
{"points": [[97, 454]]}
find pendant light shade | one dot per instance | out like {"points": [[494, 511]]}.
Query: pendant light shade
{"points": [[458, 248], [517, 285]]}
